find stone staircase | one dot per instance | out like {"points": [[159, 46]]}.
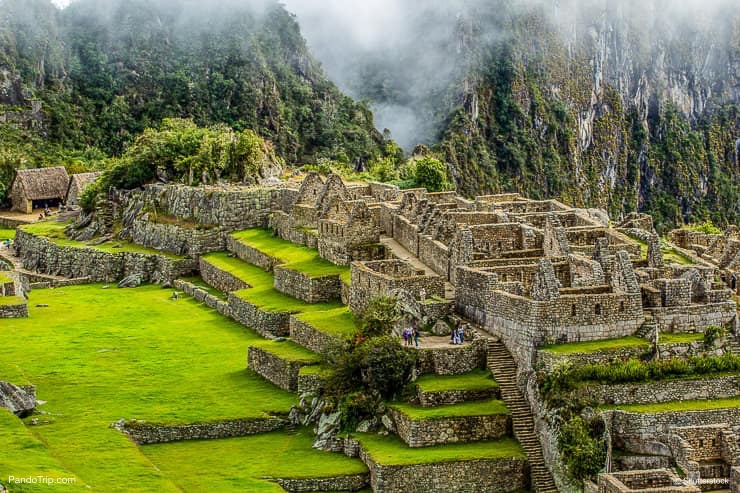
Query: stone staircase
{"points": [[647, 330], [503, 368]]}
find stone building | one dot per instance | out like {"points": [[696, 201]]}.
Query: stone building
{"points": [[77, 184], [38, 188]]}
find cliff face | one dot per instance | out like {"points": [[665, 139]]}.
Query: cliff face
{"points": [[604, 105]]}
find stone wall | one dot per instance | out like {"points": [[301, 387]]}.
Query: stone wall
{"points": [[407, 234], [180, 240], [203, 296], [14, 311], [310, 338], [468, 476], [447, 397], [435, 255], [144, 433], [219, 279], [429, 432], [272, 367], [251, 255], [662, 391], [735, 480], [352, 482], [693, 318], [267, 324], [639, 432], [454, 360], [42, 255], [287, 228], [309, 289]]}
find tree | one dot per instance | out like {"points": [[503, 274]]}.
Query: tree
{"points": [[431, 174], [379, 316], [584, 454]]}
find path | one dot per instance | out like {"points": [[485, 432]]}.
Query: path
{"points": [[401, 252], [503, 367]]}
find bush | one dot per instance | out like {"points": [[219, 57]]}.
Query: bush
{"points": [[431, 174], [712, 333], [385, 365], [584, 454], [379, 317], [707, 227]]}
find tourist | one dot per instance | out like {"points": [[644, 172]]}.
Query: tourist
{"points": [[456, 337], [461, 333], [423, 294], [41, 217], [416, 336], [453, 335]]}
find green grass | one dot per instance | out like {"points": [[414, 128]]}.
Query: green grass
{"points": [[673, 256], [242, 463], [289, 351], [474, 380], [54, 232], [680, 338], [12, 300], [391, 451], [198, 281], [595, 346], [319, 370], [338, 322], [4, 278], [99, 355], [663, 407], [23, 455], [7, 234], [262, 293], [290, 255], [465, 409]]}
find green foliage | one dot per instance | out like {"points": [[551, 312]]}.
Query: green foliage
{"points": [[379, 316], [584, 454], [707, 227], [712, 333], [431, 174]]}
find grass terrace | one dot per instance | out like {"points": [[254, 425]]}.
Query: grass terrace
{"points": [[244, 464], [391, 451], [7, 234], [673, 256], [596, 346], [465, 409], [98, 355], [292, 256], [337, 322], [199, 282], [472, 381], [11, 300], [289, 351], [54, 231], [262, 293], [664, 407], [679, 338], [5, 278]]}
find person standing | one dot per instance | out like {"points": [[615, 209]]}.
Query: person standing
{"points": [[416, 337], [461, 333]]}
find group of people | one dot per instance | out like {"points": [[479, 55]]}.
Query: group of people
{"points": [[458, 334], [411, 336]]}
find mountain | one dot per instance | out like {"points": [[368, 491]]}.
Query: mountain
{"points": [[97, 73], [624, 104]]}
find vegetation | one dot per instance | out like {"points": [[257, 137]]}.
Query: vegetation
{"points": [[596, 346], [463, 410], [289, 351], [338, 322], [391, 451], [679, 406], [680, 338], [707, 227], [582, 450], [713, 333], [471, 381], [7, 234], [431, 174], [379, 317], [98, 355], [246, 464]]}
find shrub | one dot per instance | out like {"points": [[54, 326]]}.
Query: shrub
{"points": [[712, 333], [379, 317], [584, 454], [385, 365], [431, 174]]}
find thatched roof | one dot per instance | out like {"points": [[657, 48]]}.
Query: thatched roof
{"points": [[80, 181], [43, 183]]}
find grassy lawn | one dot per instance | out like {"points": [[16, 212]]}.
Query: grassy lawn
{"points": [[391, 451], [594, 346], [292, 256], [262, 293], [680, 338], [5, 278], [7, 234], [673, 256], [54, 231], [663, 407], [465, 409], [23, 455], [289, 351], [99, 355], [338, 322], [474, 380], [243, 463], [12, 300]]}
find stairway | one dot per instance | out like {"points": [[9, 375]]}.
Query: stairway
{"points": [[647, 330], [735, 344], [503, 368]]}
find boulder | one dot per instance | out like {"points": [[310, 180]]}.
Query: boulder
{"points": [[17, 400], [132, 281]]}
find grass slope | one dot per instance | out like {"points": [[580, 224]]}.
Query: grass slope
{"points": [[663, 407], [391, 451], [54, 232], [292, 256], [12, 300], [465, 409], [338, 322], [595, 346], [98, 355], [289, 351], [474, 380], [243, 463], [7, 234], [680, 338]]}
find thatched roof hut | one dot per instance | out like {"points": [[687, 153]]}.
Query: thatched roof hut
{"points": [[78, 183], [38, 187]]}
